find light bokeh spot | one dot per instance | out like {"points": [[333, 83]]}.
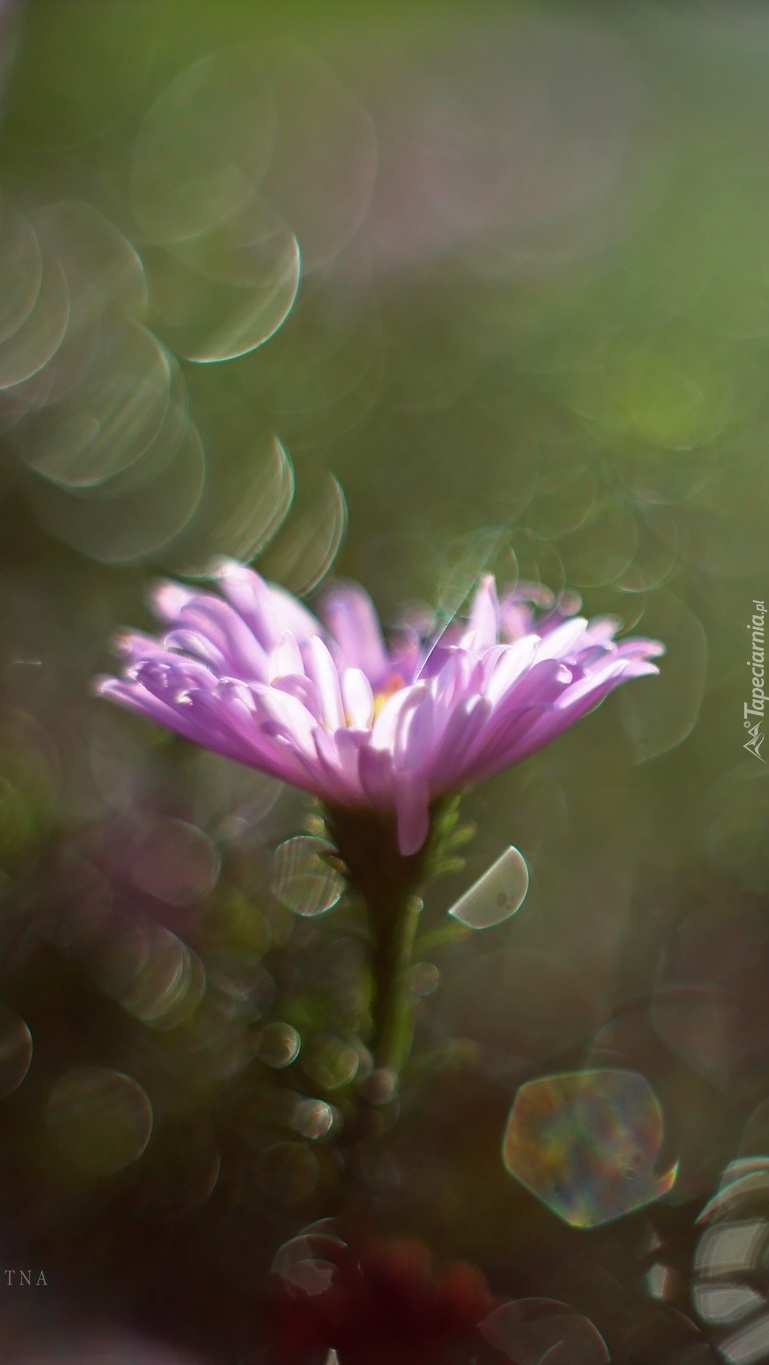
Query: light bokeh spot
{"points": [[100, 1119], [279, 1045], [730, 1288], [586, 1144], [535, 1331], [302, 878], [497, 895], [15, 1050]]}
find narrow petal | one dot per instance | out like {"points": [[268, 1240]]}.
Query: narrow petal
{"points": [[544, 681], [483, 623], [166, 599], [358, 698], [510, 666], [134, 645], [285, 658], [383, 735], [194, 642], [267, 610], [183, 716], [535, 691], [516, 620], [351, 618], [227, 715], [376, 774], [412, 745], [299, 686], [287, 610], [248, 593], [590, 660], [338, 759], [412, 810], [136, 698], [287, 716], [599, 682], [451, 756], [562, 642], [637, 647], [172, 675], [461, 677], [508, 741], [602, 629], [539, 726], [217, 621], [320, 667]]}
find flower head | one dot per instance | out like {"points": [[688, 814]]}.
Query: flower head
{"points": [[328, 706]]}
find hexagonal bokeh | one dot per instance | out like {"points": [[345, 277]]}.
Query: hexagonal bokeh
{"points": [[586, 1143]]}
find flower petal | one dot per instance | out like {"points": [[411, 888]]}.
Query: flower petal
{"points": [[267, 610], [483, 624], [351, 618], [249, 674], [358, 698], [287, 716], [451, 756], [217, 621], [413, 740], [564, 640], [320, 667], [385, 731], [166, 599], [285, 658], [376, 775], [412, 811]]}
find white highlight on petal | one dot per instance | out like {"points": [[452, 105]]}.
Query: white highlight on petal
{"points": [[560, 643], [285, 658], [320, 667], [290, 715], [358, 699], [483, 625], [167, 599], [510, 666]]}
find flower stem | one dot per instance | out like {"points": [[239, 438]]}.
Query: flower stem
{"points": [[392, 946], [387, 882]]}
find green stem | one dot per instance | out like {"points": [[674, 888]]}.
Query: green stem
{"points": [[392, 947], [387, 883]]}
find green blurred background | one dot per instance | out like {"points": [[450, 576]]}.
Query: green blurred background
{"points": [[405, 293]]}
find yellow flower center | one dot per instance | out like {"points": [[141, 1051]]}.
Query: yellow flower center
{"points": [[394, 684]]}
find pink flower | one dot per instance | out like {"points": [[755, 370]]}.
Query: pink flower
{"points": [[332, 708]]}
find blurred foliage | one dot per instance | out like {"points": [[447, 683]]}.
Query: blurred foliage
{"points": [[495, 279]]}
